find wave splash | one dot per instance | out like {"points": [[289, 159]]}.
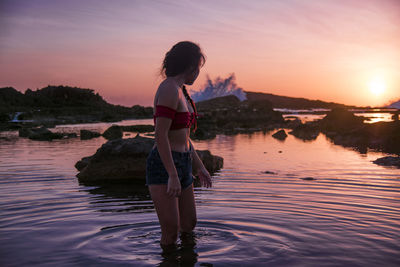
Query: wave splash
{"points": [[217, 88]]}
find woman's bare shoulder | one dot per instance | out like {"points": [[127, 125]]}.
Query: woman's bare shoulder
{"points": [[168, 94]]}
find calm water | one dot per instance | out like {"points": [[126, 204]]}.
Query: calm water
{"points": [[347, 216]]}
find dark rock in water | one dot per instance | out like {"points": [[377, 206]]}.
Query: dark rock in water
{"points": [[306, 131], [308, 178], [114, 132], [292, 122], [43, 134], [141, 128], [126, 159], [212, 162], [388, 161], [381, 136], [70, 135], [86, 134], [117, 159], [347, 130], [228, 115], [281, 135], [39, 133], [24, 132], [395, 116], [341, 120], [80, 165], [269, 172]]}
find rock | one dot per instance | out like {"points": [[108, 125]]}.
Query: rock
{"points": [[395, 116], [43, 134], [125, 159], [308, 178], [117, 159], [281, 135], [291, 122], [381, 136], [388, 161], [228, 115], [69, 135], [341, 120], [80, 165], [39, 133], [86, 134], [305, 132], [114, 132], [24, 132], [211, 162], [141, 128], [269, 172]]}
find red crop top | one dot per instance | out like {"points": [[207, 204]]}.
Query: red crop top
{"points": [[179, 119]]}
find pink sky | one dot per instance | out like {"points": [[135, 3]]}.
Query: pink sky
{"points": [[337, 51]]}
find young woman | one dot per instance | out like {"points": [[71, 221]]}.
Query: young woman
{"points": [[169, 164]]}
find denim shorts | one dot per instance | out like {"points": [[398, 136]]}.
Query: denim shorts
{"points": [[157, 174]]}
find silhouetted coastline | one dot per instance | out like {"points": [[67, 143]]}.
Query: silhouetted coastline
{"points": [[56, 105]]}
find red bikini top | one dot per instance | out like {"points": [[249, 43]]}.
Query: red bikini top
{"points": [[179, 119]]}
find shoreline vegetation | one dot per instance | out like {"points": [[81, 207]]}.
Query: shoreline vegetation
{"points": [[33, 112]]}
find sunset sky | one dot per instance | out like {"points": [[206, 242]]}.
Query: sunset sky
{"points": [[346, 51]]}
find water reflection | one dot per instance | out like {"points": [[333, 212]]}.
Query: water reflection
{"points": [[183, 254], [119, 196]]}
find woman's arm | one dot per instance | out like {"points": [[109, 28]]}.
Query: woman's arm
{"points": [[199, 168], [197, 163]]}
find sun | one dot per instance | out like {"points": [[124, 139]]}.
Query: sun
{"points": [[377, 86]]}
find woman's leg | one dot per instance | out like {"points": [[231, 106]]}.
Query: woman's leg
{"points": [[167, 212], [187, 210]]}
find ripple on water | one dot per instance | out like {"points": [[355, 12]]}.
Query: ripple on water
{"points": [[212, 241]]}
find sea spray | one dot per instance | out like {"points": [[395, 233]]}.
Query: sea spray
{"points": [[218, 87]]}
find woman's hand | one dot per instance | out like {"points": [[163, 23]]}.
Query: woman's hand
{"points": [[174, 186], [204, 176]]}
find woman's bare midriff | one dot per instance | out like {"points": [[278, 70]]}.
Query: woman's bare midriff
{"points": [[178, 140]]}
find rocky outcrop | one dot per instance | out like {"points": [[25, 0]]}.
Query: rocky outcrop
{"points": [[86, 134], [340, 121], [114, 132], [280, 135], [228, 115], [43, 134], [125, 159], [306, 132], [388, 161], [345, 129]]}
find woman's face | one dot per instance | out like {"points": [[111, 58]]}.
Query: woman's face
{"points": [[192, 76]]}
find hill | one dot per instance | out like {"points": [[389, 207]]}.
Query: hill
{"points": [[64, 104], [278, 101], [395, 104]]}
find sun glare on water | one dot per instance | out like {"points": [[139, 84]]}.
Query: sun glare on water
{"points": [[377, 86]]}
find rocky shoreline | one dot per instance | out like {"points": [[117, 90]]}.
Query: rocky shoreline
{"points": [[227, 115]]}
